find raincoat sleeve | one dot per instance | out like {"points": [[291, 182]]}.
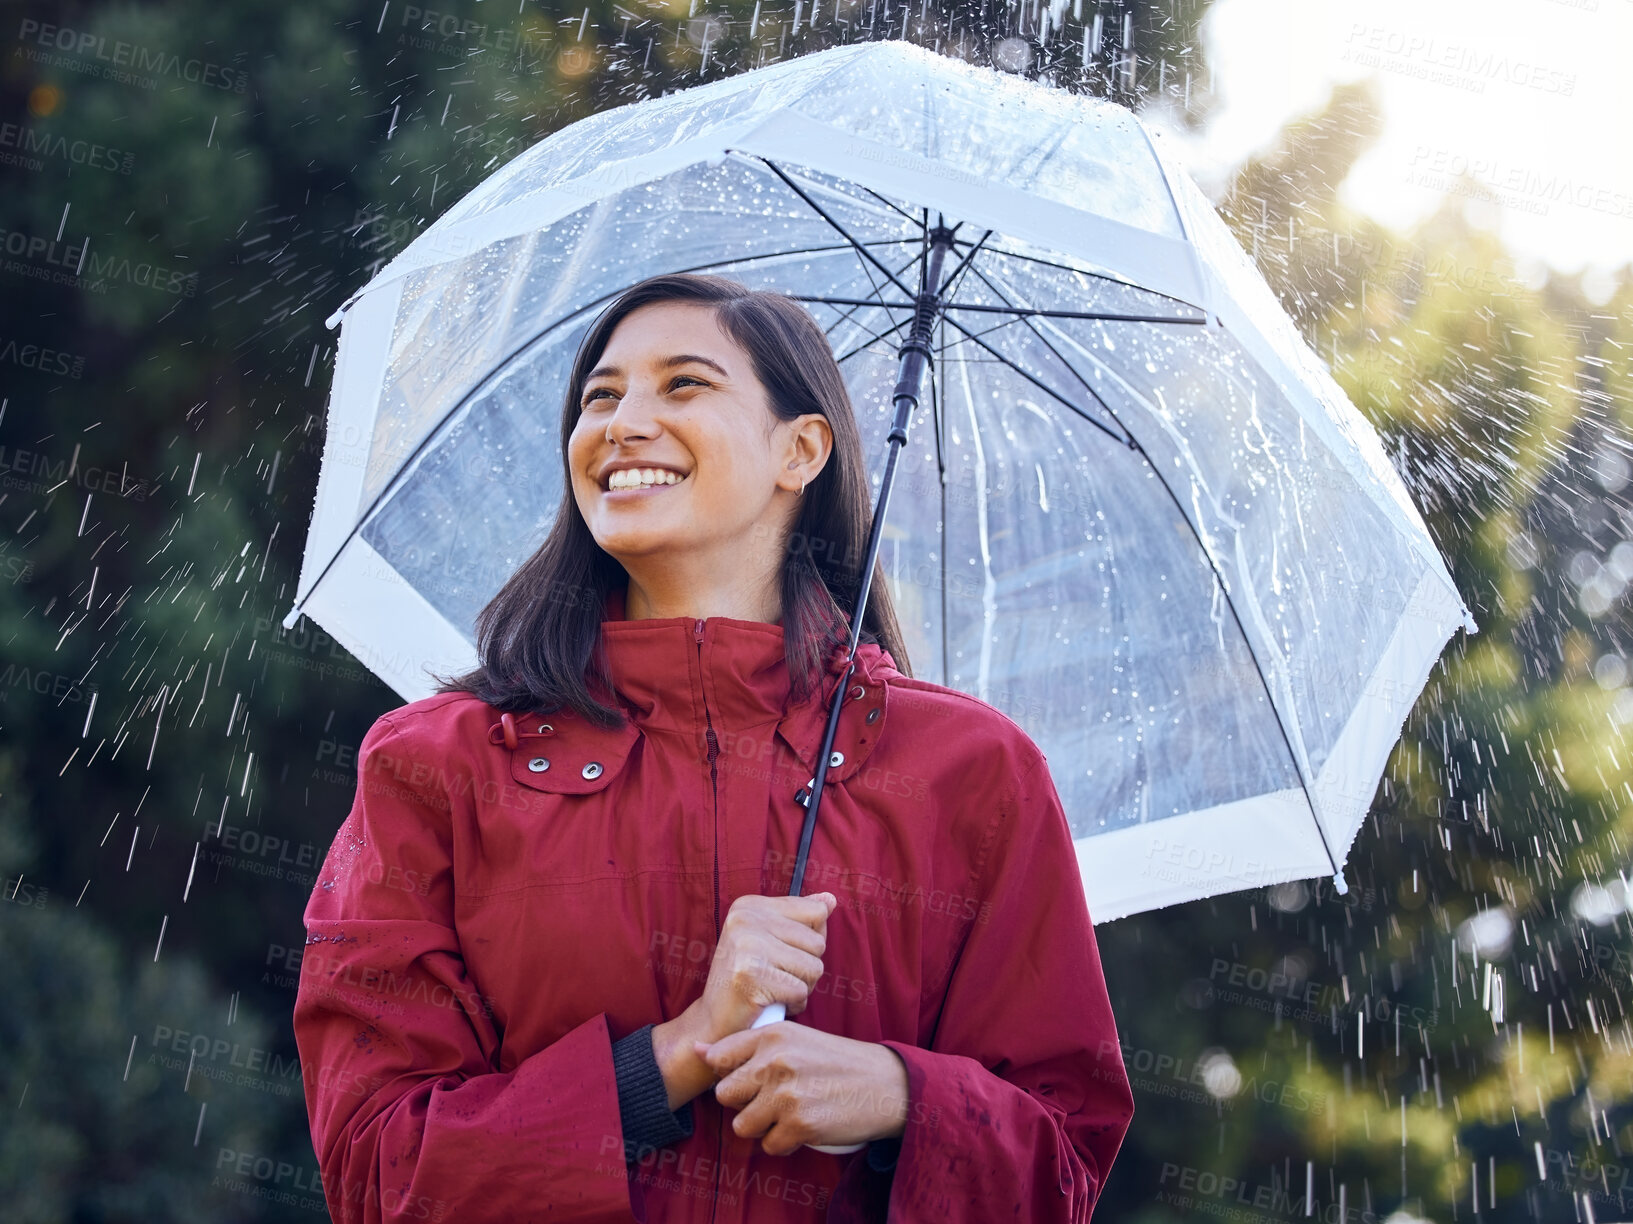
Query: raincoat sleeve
{"points": [[410, 1117], [1021, 1102]]}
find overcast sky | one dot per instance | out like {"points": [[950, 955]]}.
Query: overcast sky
{"points": [[1534, 100]]}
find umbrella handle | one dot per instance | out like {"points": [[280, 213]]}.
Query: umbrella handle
{"points": [[770, 1014]]}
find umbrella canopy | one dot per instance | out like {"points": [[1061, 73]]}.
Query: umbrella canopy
{"points": [[1140, 517]]}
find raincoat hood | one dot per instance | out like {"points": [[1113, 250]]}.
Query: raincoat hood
{"points": [[512, 894]]}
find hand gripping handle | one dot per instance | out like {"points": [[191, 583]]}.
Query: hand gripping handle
{"points": [[772, 1013]]}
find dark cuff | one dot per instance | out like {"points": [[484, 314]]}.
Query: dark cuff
{"points": [[643, 1098], [882, 1153]]}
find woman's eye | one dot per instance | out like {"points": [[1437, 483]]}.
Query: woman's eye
{"points": [[679, 378]]}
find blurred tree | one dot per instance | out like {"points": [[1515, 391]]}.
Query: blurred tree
{"points": [[1455, 1025]]}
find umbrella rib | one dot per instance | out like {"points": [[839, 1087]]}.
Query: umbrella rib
{"points": [[818, 209], [1041, 385], [891, 204], [858, 303], [1030, 312], [862, 348], [1060, 357], [1017, 311], [886, 201], [1100, 276], [951, 284], [1134, 444], [994, 328], [840, 229]]}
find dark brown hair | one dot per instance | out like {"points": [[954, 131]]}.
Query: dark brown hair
{"points": [[539, 638]]}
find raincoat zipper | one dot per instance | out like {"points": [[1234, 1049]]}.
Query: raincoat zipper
{"points": [[714, 792], [714, 751]]}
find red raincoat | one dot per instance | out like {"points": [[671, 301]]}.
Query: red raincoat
{"points": [[483, 928]]}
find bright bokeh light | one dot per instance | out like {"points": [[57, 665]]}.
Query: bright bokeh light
{"points": [[1533, 102]]}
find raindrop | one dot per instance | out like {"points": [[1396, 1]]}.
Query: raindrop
{"points": [[1489, 933], [1219, 1074], [1611, 470], [1290, 897], [1522, 550], [1599, 904], [1610, 671], [1582, 567], [1621, 560]]}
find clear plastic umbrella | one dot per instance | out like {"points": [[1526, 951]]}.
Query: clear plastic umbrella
{"points": [[1136, 513]]}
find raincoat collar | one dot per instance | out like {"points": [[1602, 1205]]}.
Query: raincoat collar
{"points": [[669, 670], [657, 666]]}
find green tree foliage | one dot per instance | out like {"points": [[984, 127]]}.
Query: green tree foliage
{"points": [[113, 1065]]}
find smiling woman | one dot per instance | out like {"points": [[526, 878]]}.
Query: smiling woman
{"points": [[658, 414], [737, 393], [606, 813]]}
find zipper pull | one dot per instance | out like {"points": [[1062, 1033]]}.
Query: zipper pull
{"points": [[697, 632]]}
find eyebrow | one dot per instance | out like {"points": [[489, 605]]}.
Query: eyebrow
{"points": [[666, 363]]}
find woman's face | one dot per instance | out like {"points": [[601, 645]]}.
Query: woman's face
{"points": [[705, 419]]}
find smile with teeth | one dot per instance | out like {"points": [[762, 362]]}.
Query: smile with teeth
{"points": [[642, 478]]}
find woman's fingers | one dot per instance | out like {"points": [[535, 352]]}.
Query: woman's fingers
{"points": [[770, 951], [797, 935]]}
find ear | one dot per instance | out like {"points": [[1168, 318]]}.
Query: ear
{"points": [[810, 442]]}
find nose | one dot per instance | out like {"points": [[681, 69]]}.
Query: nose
{"points": [[632, 420]]}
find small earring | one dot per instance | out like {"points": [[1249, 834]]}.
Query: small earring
{"points": [[801, 492]]}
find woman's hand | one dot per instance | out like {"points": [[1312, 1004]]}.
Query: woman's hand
{"points": [[798, 1085], [770, 951]]}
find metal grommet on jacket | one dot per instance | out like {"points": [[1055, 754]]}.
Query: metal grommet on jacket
{"points": [[580, 758]]}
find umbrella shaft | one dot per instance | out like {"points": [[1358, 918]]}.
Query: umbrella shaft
{"points": [[913, 354]]}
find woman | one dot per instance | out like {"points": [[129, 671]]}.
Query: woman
{"points": [[539, 942]]}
